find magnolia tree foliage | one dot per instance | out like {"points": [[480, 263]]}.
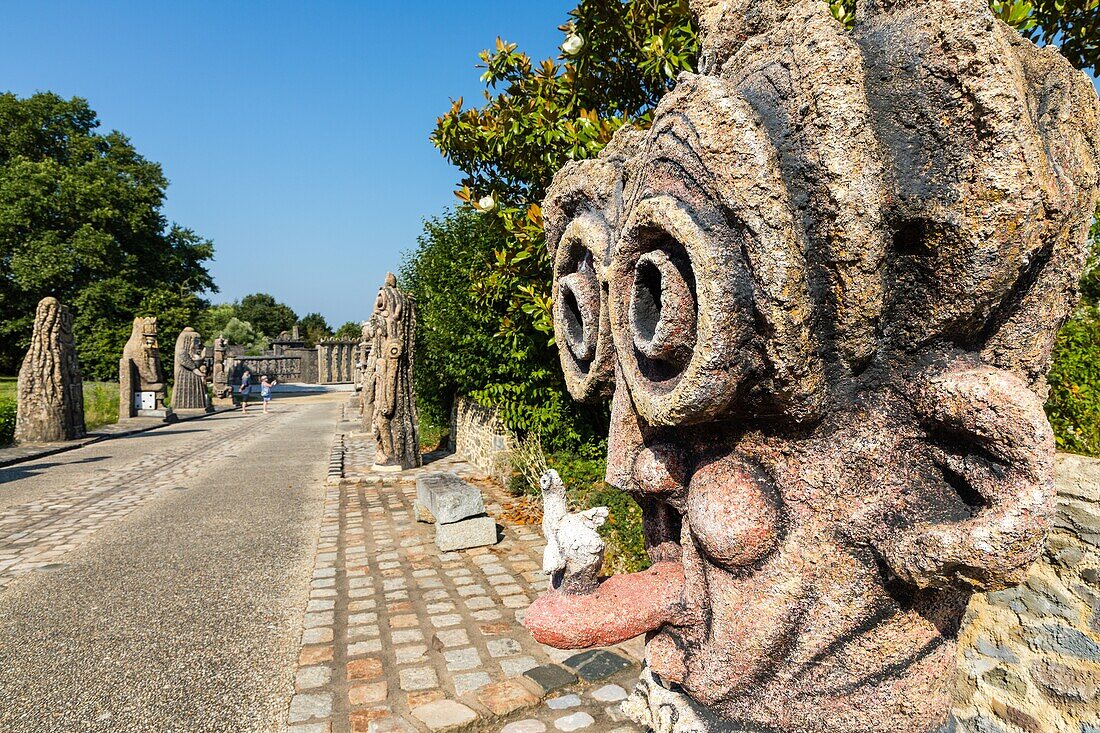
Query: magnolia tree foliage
{"points": [[617, 61]]}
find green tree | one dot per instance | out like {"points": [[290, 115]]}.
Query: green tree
{"points": [[241, 333], [81, 219], [457, 351], [350, 331], [313, 327], [213, 320], [267, 315]]}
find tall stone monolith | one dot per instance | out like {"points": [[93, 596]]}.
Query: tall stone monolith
{"points": [[822, 289], [395, 427], [50, 388]]}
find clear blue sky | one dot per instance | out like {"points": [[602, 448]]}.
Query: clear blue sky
{"points": [[294, 134]]}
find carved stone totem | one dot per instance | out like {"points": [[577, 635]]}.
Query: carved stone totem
{"points": [[189, 372], [823, 289], [141, 386], [219, 373], [366, 376], [395, 427], [51, 389]]}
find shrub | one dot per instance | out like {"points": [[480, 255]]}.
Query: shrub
{"points": [[458, 349], [7, 421], [1074, 403]]}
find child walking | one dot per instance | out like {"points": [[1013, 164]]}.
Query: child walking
{"points": [[265, 389]]}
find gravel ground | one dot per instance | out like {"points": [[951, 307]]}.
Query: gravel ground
{"points": [[183, 614]]}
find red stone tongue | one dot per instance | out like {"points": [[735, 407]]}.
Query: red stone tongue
{"points": [[620, 609]]}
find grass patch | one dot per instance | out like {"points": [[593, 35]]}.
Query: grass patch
{"points": [[100, 406], [433, 437]]}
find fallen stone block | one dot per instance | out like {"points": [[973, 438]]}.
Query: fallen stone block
{"points": [[447, 498], [475, 532]]}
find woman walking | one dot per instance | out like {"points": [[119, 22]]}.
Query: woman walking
{"points": [[245, 390]]}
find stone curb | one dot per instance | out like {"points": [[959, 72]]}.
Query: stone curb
{"points": [[336, 460], [55, 448]]}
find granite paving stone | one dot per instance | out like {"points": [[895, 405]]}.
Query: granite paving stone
{"points": [[406, 654]]}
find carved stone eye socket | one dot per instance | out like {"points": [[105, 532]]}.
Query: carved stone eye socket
{"points": [[579, 293], [580, 308], [679, 330], [662, 310]]}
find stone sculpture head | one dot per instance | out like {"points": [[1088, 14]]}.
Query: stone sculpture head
{"points": [[144, 351], [189, 349], [823, 290]]}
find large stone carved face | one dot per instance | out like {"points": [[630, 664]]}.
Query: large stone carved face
{"points": [[823, 289]]}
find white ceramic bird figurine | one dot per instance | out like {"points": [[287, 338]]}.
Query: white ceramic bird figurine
{"points": [[574, 550]]}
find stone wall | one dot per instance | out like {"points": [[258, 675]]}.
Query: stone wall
{"points": [[479, 436], [1029, 657], [283, 368], [336, 361]]}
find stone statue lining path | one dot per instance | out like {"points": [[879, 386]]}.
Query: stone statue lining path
{"points": [[50, 388]]}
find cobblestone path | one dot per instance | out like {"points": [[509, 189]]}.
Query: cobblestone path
{"points": [[400, 637]]}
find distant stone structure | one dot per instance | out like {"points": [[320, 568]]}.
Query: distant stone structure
{"points": [[189, 383], [220, 370], [823, 288], [396, 431], [336, 362], [366, 396], [288, 341], [50, 388], [362, 356], [141, 385]]}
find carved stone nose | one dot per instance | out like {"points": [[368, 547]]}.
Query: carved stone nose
{"points": [[662, 309]]}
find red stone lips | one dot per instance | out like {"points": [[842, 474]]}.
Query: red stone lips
{"points": [[622, 607]]}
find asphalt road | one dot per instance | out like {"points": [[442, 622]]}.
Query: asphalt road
{"points": [[176, 599]]}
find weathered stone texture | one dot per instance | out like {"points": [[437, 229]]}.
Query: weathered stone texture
{"points": [[336, 362], [392, 397], [50, 399], [189, 370], [140, 370], [1030, 655], [823, 289], [467, 533], [448, 498], [479, 436], [220, 371]]}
